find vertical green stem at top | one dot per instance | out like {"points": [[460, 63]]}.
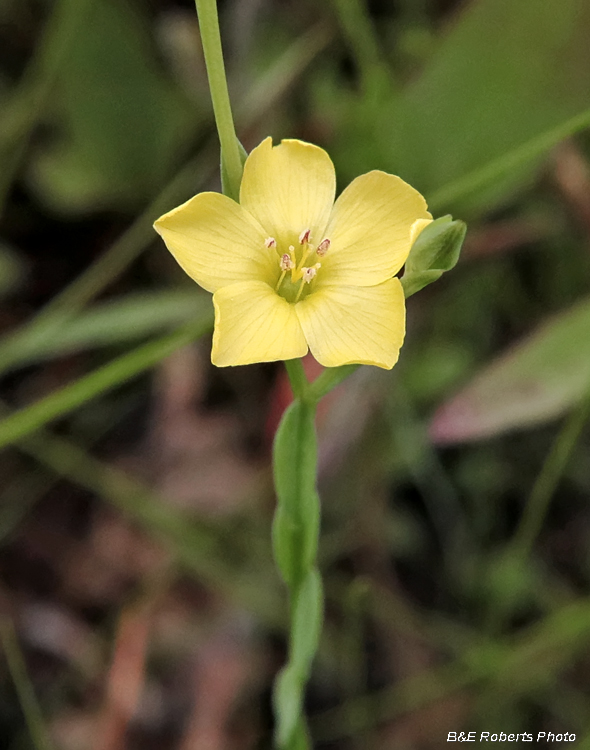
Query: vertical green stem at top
{"points": [[231, 160]]}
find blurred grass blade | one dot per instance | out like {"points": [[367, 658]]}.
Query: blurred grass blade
{"points": [[531, 662], [114, 322], [506, 73], [22, 112], [101, 155], [274, 82], [12, 270], [507, 81], [200, 549], [31, 418], [357, 25], [508, 163], [538, 379], [24, 688]]}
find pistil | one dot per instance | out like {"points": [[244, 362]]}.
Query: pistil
{"points": [[307, 275]]}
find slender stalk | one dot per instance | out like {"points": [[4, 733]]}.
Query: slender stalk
{"points": [[231, 160], [297, 377], [295, 546]]}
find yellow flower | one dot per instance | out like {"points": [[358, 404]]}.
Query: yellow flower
{"points": [[290, 269]]}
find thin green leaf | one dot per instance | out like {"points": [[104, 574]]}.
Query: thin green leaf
{"points": [[307, 617], [108, 155], [113, 322], [507, 81], [288, 704], [32, 417], [296, 522], [24, 687]]}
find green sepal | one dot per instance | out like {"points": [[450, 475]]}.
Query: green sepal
{"points": [[296, 523], [414, 282], [436, 250]]}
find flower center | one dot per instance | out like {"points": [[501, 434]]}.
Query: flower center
{"points": [[295, 268]]}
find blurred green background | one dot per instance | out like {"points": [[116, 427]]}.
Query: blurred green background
{"points": [[139, 606]]}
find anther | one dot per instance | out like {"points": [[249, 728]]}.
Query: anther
{"points": [[270, 242], [304, 236], [323, 247], [309, 273], [286, 263]]}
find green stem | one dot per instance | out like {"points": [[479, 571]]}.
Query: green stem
{"points": [[231, 159], [295, 545], [297, 378]]}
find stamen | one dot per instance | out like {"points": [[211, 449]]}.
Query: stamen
{"points": [[309, 273], [286, 263], [304, 236], [323, 247], [300, 290], [270, 242]]}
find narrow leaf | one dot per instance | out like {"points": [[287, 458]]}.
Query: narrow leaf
{"points": [[288, 702], [307, 618], [31, 418], [296, 523], [117, 321]]}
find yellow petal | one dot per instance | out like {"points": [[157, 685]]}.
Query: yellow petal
{"points": [[216, 241], [355, 325], [289, 188], [417, 227], [370, 230], [254, 324]]}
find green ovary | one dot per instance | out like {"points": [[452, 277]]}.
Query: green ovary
{"points": [[289, 289]]}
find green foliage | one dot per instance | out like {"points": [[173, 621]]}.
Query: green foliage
{"points": [[121, 124], [135, 316], [505, 73], [33, 417], [11, 271]]}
